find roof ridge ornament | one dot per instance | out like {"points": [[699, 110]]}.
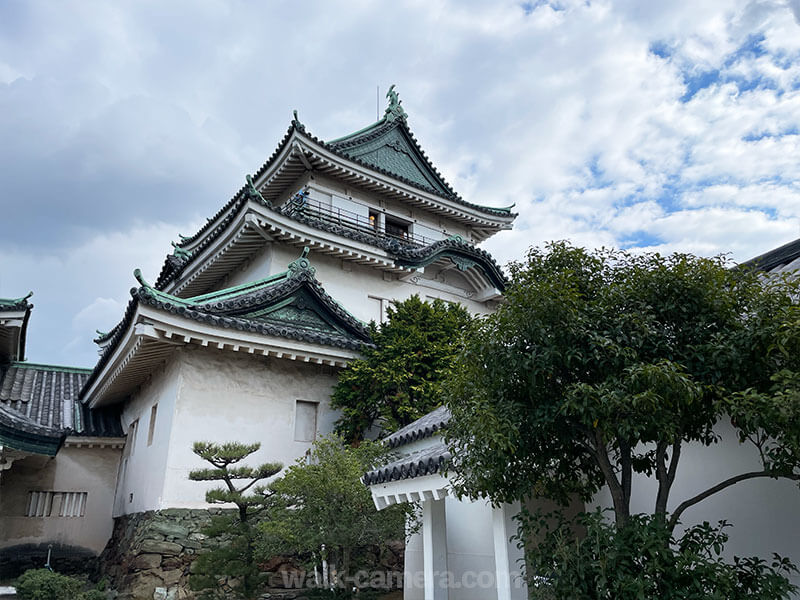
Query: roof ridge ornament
{"points": [[302, 264], [180, 252], [137, 273], [394, 111], [252, 193], [296, 122]]}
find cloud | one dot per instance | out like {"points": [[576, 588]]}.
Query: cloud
{"points": [[666, 125]]}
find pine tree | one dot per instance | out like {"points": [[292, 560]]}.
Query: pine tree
{"points": [[230, 559]]}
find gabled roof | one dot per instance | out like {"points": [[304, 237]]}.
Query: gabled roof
{"points": [[426, 426], [400, 254], [39, 408], [291, 305], [14, 316], [427, 461], [779, 260], [384, 158]]}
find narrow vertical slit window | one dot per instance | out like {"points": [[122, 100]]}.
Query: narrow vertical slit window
{"points": [[152, 427]]}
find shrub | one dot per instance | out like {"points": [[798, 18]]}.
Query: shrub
{"points": [[42, 584]]}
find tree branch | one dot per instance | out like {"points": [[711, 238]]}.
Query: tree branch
{"points": [[621, 509], [721, 486], [666, 474]]}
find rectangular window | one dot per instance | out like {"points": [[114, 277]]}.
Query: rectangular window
{"points": [[381, 305], [305, 421], [56, 504], [396, 227], [152, 428]]}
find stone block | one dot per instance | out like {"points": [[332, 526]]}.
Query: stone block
{"points": [[147, 561], [168, 529], [160, 547]]}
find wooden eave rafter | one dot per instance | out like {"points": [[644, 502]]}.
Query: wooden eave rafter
{"points": [[153, 336], [301, 151]]}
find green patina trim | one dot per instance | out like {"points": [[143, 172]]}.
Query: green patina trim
{"points": [[394, 110], [295, 309], [15, 302], [180, 252], [17, 440], [226, 293], [53, 368]]}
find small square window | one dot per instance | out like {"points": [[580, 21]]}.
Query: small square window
{"points": [[305, 421]]}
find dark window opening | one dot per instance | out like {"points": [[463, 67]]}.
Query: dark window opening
{"points": [[396, 227]]}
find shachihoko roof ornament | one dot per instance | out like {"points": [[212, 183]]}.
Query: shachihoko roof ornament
{"points": [[394, 110]]}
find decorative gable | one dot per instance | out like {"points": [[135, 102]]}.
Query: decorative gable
{"points": [[392, 149]]}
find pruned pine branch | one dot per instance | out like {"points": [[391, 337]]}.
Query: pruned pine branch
{"points": [[219, 474], [222, 455]]}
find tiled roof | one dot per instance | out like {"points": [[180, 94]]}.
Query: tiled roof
{"points": [[39, 408], [13, 334], [417, 464], [21, 433], [377, 147], [291, 304], [15, 304], [405, 254], [781, 259], [390, 147], [423, 427]]}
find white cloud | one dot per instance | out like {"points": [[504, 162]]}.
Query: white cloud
{"points": [[130, 116]]}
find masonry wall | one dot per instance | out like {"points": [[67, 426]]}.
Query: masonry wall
{"points": [[24, 539]]}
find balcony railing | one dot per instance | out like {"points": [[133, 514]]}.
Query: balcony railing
{"points": [[302, 204]]}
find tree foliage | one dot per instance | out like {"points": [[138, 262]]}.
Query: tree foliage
{"points": [[231, 557], [322, 501], [642, 560], [604, 365], [399, 380], [597, 372]]}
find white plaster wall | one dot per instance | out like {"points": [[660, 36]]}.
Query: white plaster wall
{"points": [[140, 483], [357, 288], [225, 396], [470, 554], [424, 222], [91, 470], [764, 512]]}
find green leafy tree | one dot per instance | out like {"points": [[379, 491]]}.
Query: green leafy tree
{"points": [[399, 380], [642, 560], [320, 500], [231, 557], [603, 366]]}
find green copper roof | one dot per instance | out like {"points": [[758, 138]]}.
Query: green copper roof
{"points": [[270, 300], [15, 303], [389, 146]]}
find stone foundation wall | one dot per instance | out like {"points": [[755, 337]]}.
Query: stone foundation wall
{"points": [[150, 556], [154, 550]]}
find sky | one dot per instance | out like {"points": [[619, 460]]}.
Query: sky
{"points": [[651, 126]]}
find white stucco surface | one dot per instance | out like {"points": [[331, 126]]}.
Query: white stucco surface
{"points": [[217, 396]]}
